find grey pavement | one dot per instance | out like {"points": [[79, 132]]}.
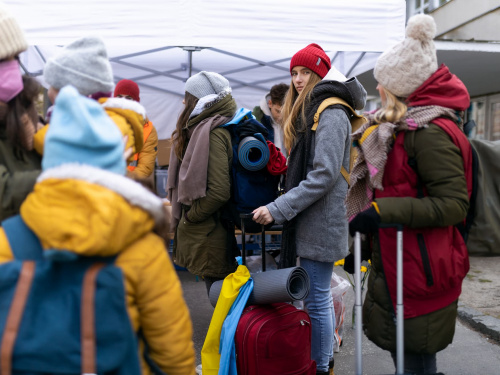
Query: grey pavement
{"points": [[475, 349]]}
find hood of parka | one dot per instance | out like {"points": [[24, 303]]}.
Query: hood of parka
{"points": [[89, 211]]}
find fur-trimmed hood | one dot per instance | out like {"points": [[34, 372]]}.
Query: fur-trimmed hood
{"points": [[89, 211], [130, 118], [208, 101]]}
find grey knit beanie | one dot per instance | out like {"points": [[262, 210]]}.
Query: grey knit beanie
{"points": [[12, 41], [206, 83], [403, 68], [84, 64]]}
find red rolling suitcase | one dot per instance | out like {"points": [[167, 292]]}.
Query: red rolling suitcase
{"points": [[273, 339]]}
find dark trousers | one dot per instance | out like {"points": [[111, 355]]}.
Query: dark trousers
{"points": [[209, 281], [418, 364]]}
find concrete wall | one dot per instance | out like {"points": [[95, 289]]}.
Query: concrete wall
{"points": [[468, 20]]}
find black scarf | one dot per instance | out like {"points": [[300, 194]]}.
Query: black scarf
{"points": [[299, 155]]}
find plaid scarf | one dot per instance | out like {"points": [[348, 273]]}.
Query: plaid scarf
{"points": [[373, 142]]}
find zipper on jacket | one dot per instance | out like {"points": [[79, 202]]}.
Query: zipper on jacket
{"points": [[425, 259]]}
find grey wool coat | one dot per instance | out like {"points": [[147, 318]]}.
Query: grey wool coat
{"points": [[318, 202]]}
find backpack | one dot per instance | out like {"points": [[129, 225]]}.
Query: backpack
{"points": [[481, 227], [356, 122], [252, 185], [64, 316]]}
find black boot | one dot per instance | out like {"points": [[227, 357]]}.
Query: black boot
{"points": [[330, 369], [330, 366]]}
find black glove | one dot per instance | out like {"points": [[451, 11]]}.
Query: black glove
{"points": [[365, 222], [349, 260], [349, 263]]}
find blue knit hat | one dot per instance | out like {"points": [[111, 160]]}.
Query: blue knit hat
{"points": [[81, 132]]}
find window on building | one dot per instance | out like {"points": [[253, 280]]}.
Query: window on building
{"points": [[426, 6], [477, 113], [495, 120], [422, 6]]}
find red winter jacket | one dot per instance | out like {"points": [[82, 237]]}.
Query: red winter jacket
{"points": [[435, 259]]}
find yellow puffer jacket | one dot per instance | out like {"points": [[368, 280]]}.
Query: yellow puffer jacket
{"points": [[145, 160], [128, 115], [89, 211]]}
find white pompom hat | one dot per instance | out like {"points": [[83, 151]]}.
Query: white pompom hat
{"points": [[403, 68]]}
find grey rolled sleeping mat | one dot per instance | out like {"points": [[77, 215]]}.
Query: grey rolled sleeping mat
{"points": [[284, 285]]}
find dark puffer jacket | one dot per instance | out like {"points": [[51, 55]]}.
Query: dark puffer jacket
{"points": [[19, 170]]}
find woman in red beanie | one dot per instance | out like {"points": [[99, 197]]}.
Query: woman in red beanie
{"points": [[312, 209]]}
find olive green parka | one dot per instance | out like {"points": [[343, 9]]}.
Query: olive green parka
{"points": [[447, 201], [201, 241]]}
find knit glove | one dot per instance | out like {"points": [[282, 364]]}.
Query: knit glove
{"points": [[365, 222], [349, 260], [349, 263]]}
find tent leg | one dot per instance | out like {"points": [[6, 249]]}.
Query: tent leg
{"points": [[190, 54]]}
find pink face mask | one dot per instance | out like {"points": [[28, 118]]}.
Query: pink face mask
{"points": [[11, 81]]}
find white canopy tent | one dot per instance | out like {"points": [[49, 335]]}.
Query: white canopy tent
{"points": [[160, 43]]}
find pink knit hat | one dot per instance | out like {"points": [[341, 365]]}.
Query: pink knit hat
{"points": [[312, 57]]}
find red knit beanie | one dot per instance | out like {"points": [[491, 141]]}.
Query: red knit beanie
{"points": [[129, 88], [312, 57]]}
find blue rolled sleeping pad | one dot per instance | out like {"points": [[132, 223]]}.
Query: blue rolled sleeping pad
{"points": [[253, 152]]}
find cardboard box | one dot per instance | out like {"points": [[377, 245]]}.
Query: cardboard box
{"points": [[163, 156]]}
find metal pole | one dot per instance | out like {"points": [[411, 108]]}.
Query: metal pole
{"points": [[190, 53], [263, 248], [357, 305], [399, 307], [243, 250]]}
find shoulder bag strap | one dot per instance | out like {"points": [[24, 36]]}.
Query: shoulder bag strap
{"points": [[356, 122], [24, 244]]}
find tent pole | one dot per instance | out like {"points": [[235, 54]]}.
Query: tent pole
{"points": [[190, 50], [190, 54], [356, 63]]}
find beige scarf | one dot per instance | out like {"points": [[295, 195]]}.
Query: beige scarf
{"points": [[187, 180]]}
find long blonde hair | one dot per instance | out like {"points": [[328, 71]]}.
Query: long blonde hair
{"points": [[293, 104], [393, 110]]}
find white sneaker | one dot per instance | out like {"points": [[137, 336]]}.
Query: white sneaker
{"points": [[198, 370]]}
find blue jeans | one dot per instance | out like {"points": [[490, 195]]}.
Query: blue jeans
{"points": [[319, 305]]}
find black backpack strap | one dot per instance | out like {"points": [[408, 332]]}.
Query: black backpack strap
{"points": [[472, 202], [24, 244], [409, 145]]}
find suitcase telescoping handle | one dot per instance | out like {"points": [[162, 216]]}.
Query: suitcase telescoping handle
{"points": [[244, 217], [399, 301]]}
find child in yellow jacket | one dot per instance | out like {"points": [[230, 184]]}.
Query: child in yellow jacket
{"points": [[83, 204], [84, 64]]}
